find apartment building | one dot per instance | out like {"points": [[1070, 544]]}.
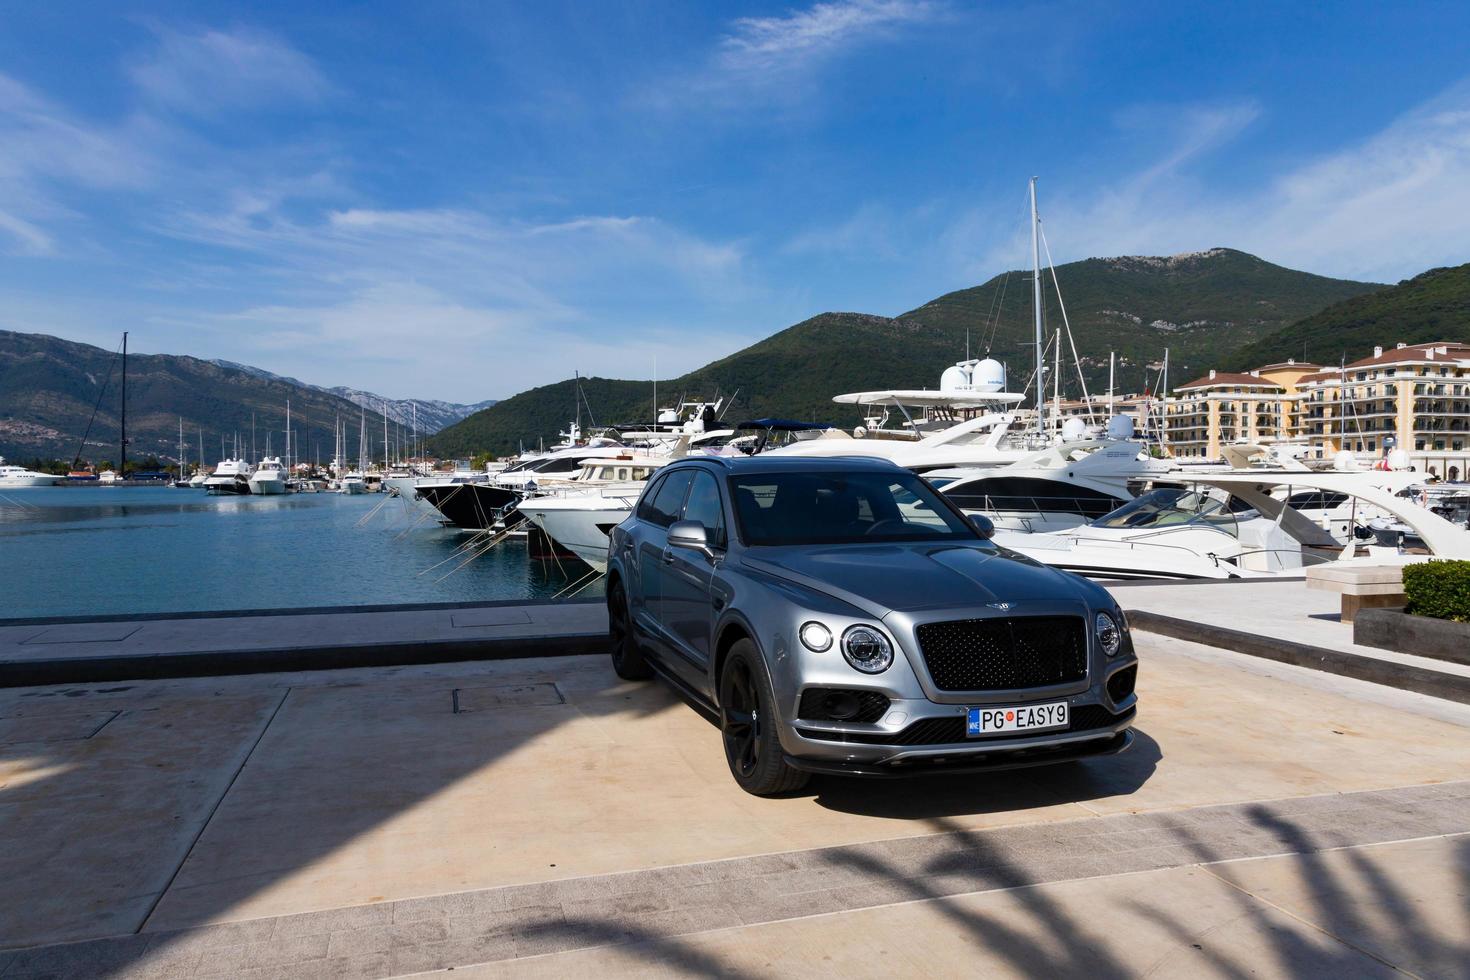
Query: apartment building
{"points": [[1414, 397]]}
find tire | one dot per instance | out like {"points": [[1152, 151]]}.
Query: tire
{"points": [[627, 659], [748, 726]]}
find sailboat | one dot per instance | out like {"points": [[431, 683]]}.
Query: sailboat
{"points": [[196, 482], [182, 482], [353, 481]]}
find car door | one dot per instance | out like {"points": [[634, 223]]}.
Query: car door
{"points": [[658, 509], [685, 605]]}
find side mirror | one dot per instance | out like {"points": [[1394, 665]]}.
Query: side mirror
{"points": [[983, 525], [691, 535]]}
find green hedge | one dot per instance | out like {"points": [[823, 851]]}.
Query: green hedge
{"points": [[1438, 588]]}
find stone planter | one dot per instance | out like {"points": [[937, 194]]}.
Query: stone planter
{"points": [[1424, 636]]}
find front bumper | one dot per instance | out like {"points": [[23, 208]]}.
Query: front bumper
{"points": [[960, 759], [938, 743]]}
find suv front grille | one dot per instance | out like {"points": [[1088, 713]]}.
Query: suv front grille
{"points": [[1004, 654], [951, 730]]}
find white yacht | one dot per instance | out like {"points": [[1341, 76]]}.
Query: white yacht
{"points": [[352, 483], [1056, 488], [1234, 525], [16, 477], [269, 477], [230, 478], [579, 513]]}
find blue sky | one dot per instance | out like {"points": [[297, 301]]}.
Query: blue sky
{"points": [[462, 200]]}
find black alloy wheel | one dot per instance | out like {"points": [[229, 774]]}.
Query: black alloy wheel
{"points": [[627, 659], [748, 726]]}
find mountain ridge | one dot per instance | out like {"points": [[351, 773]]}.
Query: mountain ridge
{"points": [[1201, 305]]}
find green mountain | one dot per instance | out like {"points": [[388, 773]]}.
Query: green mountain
{"points": [[48, 388], [1202, 306], [1434, 305]]}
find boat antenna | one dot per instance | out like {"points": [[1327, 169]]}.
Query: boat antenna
{"points": [[1036, 305]]}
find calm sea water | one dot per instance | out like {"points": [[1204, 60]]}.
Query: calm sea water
{"points": [[75, 551]]}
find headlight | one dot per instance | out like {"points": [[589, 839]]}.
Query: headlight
{"points": [[1109, 636], [816, 637], [867, 649]]}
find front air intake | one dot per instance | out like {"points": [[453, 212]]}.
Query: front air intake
{"points": [[840, 704]]}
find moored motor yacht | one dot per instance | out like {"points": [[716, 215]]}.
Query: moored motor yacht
{"points": [[17, 477], [1056, 488], [230, 478], [1233, 525], [269, 477]]}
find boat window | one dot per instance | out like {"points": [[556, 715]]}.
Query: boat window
{"points": [[622, 473], [667, 499], [1316, 500], [1172, 507], [705, 507], [1019, 493], [842, 508]]}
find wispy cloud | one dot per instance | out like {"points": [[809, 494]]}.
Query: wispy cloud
{"points": [[775, 44], [763, 59], [216, 70]]}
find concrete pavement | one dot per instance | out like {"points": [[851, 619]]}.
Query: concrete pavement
{"points": [[353, 823]]}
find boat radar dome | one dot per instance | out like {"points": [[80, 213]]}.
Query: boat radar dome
{"points": [[1074, 429], [1398, 460], [988, 375], [1344, 461], [1120, 427]]}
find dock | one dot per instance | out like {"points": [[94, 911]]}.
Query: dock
{"points": [[109, 648], [537, 816]]}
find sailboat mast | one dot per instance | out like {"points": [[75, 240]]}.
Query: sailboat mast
{"points": [[181, 447], [288, 438], [1036, 307], [122, 436], [385, 433], [1112, 364], [1056, 377]]}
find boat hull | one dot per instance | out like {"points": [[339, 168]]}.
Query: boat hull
{"points": [[471, 506], [584, 533]]}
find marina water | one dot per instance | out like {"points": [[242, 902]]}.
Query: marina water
{"points": [[74, 551]]}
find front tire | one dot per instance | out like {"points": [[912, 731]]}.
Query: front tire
{"points": [[627, 659], [748, 722]]}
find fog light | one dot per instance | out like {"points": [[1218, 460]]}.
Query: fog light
{"points": [[867, 649], [840, 705], [816, 637]]}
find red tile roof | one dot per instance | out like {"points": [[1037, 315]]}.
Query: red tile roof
{"points": [[1415, 353], [1225, 378]]}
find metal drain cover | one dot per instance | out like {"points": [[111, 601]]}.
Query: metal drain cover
{"points": [[471, 699], [49, 727]]}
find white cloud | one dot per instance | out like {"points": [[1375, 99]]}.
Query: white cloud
{"points": [[1384, 208], [774, 44], [220, 70], [766, 58]]}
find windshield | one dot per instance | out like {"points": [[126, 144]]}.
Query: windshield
{"points": [[841, 508], [1171, 507]]}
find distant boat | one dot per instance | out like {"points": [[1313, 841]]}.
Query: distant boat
{"points": [[230, 478], [269, 477], [353, 483], [15, 477]]}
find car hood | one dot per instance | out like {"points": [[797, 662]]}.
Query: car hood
{"points": [[913, 577]]}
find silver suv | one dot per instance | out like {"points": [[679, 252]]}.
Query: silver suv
{"points": [[840, 616]]}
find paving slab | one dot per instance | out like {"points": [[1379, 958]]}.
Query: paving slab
{"points": [[1186, 921]]}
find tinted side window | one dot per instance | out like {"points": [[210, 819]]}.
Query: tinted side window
{"points": [[664, 509], [645, 502], [704, 506]]}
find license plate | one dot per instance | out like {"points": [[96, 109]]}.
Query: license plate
{"points": [[1030, 717]]}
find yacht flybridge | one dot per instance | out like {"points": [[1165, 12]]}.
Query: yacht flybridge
{"points": [[1241, 524]]}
